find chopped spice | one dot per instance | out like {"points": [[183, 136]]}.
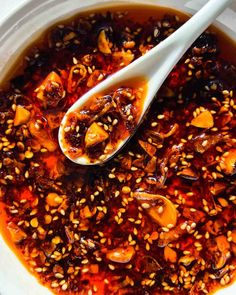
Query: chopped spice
{"points": [[96, 129], [159, 218]]}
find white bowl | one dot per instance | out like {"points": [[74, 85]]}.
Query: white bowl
{"points": [[17, 31]]}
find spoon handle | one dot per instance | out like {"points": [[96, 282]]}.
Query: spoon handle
{"points": [[158, 62]]}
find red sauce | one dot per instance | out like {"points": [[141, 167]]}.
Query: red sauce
{"points": [[96, 129], [157, 219]]}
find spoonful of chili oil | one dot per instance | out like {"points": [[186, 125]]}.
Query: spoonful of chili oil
{"points": [[124, 97]]}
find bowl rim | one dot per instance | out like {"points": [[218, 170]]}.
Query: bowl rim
{"points": [[8, 24]]}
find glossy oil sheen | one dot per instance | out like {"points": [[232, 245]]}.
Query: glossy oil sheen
{"points": [[227, 46]]}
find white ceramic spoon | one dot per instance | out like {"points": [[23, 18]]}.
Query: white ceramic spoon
{"points": [[155, 66]]}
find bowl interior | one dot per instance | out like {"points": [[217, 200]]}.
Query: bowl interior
{"points": [[16, 33]]}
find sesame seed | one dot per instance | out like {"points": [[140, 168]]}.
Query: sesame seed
{"points": [[67, 129], [145, 205], [29, 154], [111, 266], [138, 180], [34, 222], [147, 246], [183, 226], [126, 189], [64, 287], [204, 143], [154, 124], [160, 209]]}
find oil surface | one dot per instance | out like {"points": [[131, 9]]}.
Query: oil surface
{"points": [[142, 222]]}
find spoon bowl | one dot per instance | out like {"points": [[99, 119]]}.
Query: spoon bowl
{"points": [[154, 67]]}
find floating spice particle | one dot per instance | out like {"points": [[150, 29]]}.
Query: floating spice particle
{"points": [[169, 213], [53, 199], [101, 234], [56, 240], [38, 269], [183, 226], [103, 240], [170, 254], [54, 285], [203, 120], [10, 177], [64, 287], [160, 210], [205, 142], [103, 43], [154, 124], [150, 149], [86, 212], [95, 135], [145, 205], [138, 180], [22, 115], [111, 266], [228, 162], [121, 254], [87, 200], [147, 247], [126, 189], [67, 129], [135, 231], [29, 154], [16, 233], [115, 122], [34, 222], [26, 174]]}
